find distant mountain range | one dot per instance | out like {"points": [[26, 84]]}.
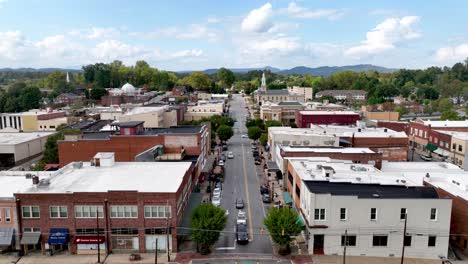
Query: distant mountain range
{"points": [[301, 70], [38, 70]]}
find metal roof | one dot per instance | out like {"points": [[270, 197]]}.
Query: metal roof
{"points": [[6, 236]]}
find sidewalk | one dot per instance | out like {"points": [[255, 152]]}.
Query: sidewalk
{"points": [[78, 259], [321, 259], [145, 258]]}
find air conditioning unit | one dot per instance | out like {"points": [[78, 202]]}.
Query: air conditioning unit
{"points": [[29, 176]]}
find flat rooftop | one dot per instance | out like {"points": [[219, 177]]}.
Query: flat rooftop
{"points": [[455, 134], [21, 137], [9, 185], [371, 191], [341, 131], [326, 150], [178, 130], [313, 112], [447, 123], [152, 177]]}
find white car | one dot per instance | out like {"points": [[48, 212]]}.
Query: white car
{"points": [[216, 191], [221, 163], [230, 155], [216, 201], [244, 136], [241, 217]]}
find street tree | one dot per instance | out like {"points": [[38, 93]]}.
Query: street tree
{"points": [[282, 224], [450, 115], [207, 221], [264, 139], [254, 132], [255, 122], [272, 123], [224, 132], [198, 81]]}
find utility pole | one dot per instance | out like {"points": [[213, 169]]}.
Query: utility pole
{"points": [[156, 252], [404, 235], [97, 236], [167, 233], [345, 243]]}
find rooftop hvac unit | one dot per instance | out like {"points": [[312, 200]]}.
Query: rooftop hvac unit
{"points": [[78, 165], [29, 176]]}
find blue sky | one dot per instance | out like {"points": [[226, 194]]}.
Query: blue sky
{"points": [[195, 35]]}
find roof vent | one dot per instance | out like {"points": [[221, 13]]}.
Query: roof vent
{"points": [[428, 175], [376, 195], [78, 165], [35, 180], [29, 176], [385, 130], [44, 182], [403, 181], [358, 178], [358, 130]]}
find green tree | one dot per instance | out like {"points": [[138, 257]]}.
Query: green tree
{"points": [[198, 81], [254, 132], [11, 105], [226, 77], [450, 115], [97, 93], [444, 104], [224, 132], [272, 123], [206, 222], [30, 98], [51, 146], [264, 139], [282, 224], [255, 122], [401, 110]]}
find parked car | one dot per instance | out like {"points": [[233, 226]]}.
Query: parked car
{"points": [[225, 147], [266, 198], [426, 157], [230, 155], [239, 203], [258, 162], [255, 153], [221, 163], [216, 191], [223, 157], [244, 136], [216, 201], [264, 189], [242, 236], [241, 217]]}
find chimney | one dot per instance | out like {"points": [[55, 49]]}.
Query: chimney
{"points": [[35, 180], [385, 130]]}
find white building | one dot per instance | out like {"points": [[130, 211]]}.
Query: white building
{"points": [[16, 148], [308, 92], [369, 207], [160, 116]]}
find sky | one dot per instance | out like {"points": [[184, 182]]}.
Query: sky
{"points": [[200, 34]]}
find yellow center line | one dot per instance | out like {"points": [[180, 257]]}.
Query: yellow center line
{"points": [[249, 217]]}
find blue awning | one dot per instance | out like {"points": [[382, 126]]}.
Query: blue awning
{"points": [[58, 236], [287, 198]]}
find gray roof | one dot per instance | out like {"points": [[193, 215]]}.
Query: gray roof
{"points": [[371, 191], [275, 92], [6, 236], [128, 124]]}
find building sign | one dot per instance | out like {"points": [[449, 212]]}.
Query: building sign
{"points": [[89, 239]]}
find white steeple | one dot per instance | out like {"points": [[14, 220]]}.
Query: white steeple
{"points": [[263, 80], [68, 78]]}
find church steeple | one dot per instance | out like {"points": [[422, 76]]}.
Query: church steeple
{"points": [[68, 78], [263, 86]]}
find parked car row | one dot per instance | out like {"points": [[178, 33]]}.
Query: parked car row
{"points": [[216, 195]]}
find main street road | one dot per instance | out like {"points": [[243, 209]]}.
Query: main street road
{"points": [[242, 181]]}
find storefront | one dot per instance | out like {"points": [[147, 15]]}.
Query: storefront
{"points": [[7, 240], [125, 240], [58, 239], [88, 244], [157, 236], [30, 241]]}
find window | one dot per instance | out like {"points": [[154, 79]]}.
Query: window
{"points": [[7, 215], [431, 241], [373, 214], [343, 214], [298, 192], [460, 148], [88, 231], [436, 140], [58, 212], [454, 146], [31, 229], [31, 211], [319, 214], [407, 241], [350, 240], [161, 211], [403, 213], [88, 211], [379, 240], [433, 216], [124, 211], [124, 231]]}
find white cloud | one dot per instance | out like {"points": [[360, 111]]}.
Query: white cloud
{"points": [[113, 49], [99, 33], [12, 45], [452, 54], [271, 46], [196, 31], [386, 36], [188, 53], [301, 12], [57, 47], [258, 20]]}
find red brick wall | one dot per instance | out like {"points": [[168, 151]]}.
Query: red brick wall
{"points": [[433, 135], [124, 147], [50, 115], [45, 223], [304, 120], [396, 126]]}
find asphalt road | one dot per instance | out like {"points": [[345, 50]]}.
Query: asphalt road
{"points": [[242, 181]]}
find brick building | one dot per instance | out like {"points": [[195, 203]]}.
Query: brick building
{"points": [[179, 90], [420, 130], [304, 119], [191, 142], [399, 126], [68, 98], [134, 204]]}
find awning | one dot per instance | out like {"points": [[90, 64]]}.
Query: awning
{"points": [[442, 152], [89, 239], [300, 220], [431, 147], [287, 198], [58, 236], [272, 166], [208, 164], [6, 236], [345, 141], [30, 238]]}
